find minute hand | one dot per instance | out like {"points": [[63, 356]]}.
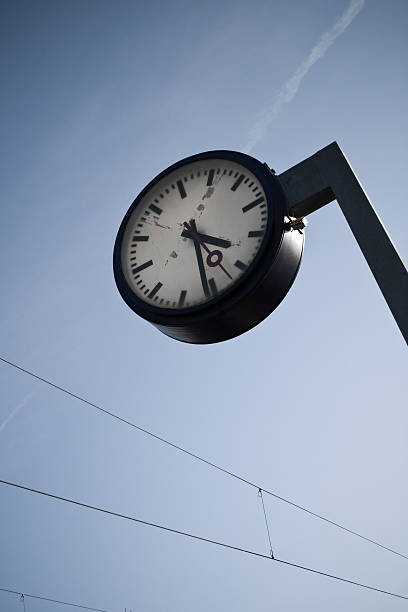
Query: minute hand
{"points": [[208, 239]]}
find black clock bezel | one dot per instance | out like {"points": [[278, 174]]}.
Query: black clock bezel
{"points": [[199, 323]]}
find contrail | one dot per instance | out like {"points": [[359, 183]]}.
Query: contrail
{"points": [[15, 410], [289, 89]]}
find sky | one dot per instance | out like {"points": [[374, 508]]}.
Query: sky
{"points": [[97, 98]]}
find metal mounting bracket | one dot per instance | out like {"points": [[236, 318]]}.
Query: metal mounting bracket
{"points": [[327, 176]]}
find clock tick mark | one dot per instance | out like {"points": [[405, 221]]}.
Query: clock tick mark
{"points": [[155, 290], [155, 209], [182, 298], [239, 264], [181, 189], [253, 204], [237, 182], [140, 238], [143, 266]]}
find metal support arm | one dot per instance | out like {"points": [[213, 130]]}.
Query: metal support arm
{"points": [[327, 176]]}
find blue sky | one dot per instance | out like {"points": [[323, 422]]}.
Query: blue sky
{"points": [[98, 97]]}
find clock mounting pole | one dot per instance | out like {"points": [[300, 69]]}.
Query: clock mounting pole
{"points": [[327, 176]]}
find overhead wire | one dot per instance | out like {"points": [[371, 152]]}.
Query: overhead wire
{"points": [[199, 458], [200, 538], [57, 601]]}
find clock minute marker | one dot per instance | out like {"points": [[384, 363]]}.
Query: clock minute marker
{"points": [[252, 204], [239, 264], [155, 290], [256, 234], [143, 266], [210, 177], [140, 238], [237, 182], [182, 298], [155, 209], [181, 189]]}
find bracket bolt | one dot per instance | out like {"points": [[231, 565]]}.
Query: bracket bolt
{"points": [[297, 223]]}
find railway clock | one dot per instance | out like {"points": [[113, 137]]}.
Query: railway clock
{"points": [[206, 250]]}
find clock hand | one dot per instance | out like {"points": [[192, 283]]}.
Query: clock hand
{"points": [[192, 229], [201, 268], [209, 239]]}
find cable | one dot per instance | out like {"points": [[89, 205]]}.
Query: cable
{"points": [[64, 603], [266, 523], [206, 461], [196, 537]]}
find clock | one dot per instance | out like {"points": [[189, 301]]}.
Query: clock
{"points": [[207, 251]]}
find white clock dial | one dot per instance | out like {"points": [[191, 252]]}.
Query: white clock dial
{"points": [[194, 234]]}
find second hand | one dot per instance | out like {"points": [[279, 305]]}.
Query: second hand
{"points": [[218, 254]]}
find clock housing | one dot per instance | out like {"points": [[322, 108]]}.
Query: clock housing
{"points": [[241, 302]]}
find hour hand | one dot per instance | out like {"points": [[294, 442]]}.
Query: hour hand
{"points": [[220, 242]]}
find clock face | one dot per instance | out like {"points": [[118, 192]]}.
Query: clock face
{"points": [[194, 234]]}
